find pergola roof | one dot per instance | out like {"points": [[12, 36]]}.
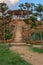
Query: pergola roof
{"points": [[19, 12]]}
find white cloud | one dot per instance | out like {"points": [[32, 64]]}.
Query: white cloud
{"points": [[13, 1], [10, 1]]}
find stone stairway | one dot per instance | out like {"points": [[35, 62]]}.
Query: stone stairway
{"points": [[18, 44], [18, 33], [18, 36]]}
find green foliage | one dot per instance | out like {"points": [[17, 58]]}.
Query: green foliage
{"points": [[6, 19], [33, 18], [36, 10], [21, 6], [9, 58], [32, 5], [4, 10], [27, 5], [8, 36], [35, 49], [26, 21], [33, 36], [42, 36], [28, 38], [32, 25], [39, 8], [3, 7], [36, 36]]}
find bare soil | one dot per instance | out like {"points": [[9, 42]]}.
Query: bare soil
{"points": [[32, 57]]}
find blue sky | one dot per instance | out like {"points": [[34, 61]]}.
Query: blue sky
{"points": [[15, 6]]}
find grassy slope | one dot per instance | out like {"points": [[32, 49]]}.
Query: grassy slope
{"points": [[9, 58]]}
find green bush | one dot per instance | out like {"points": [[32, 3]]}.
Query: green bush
{"points": [[32, 25], [33, 18], [8, 36], [26, 21], [28, 38], [36, 36], [42, 36]]}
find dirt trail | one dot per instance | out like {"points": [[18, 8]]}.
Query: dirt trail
{"points": [[29, 56]]}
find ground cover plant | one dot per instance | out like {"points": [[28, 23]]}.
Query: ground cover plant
{"points": [[9, 58], [36, 49]]}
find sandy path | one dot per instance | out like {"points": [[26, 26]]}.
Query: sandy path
{"points": [[29, 56]]}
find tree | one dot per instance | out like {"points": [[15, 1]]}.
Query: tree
{"points": [[39, 10], [21, 6], [32, 6], [33, 18], [5, 17], [27, 6]]}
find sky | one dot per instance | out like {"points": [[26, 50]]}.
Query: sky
{"points": [[13, 4]]}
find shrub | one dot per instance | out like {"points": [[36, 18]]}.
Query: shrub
{"points": [[26, 21], [36, 36], [27, 39], [8, 36], [33, 18], [32, 25]]}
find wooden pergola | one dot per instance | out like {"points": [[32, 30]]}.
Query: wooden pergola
{"points": [[19, 12]]}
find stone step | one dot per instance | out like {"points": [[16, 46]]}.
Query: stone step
{"points": [[18, 44], [18, 40]]}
